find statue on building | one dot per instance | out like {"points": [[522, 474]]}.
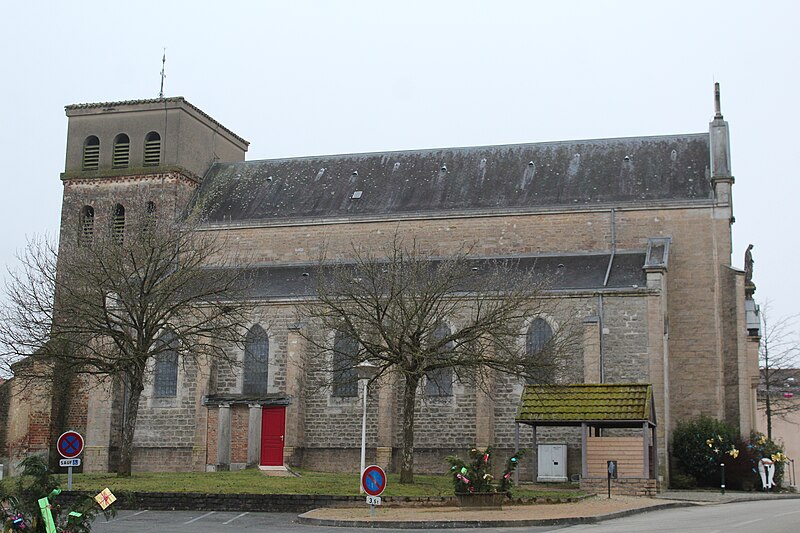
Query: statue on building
{"points": [[748, 266]]}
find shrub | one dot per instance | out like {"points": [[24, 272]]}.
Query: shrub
{"points": [[476, 475], [701, 444], [682, 481]]}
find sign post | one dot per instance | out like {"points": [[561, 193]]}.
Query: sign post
{"points": [[373, 482], [70, 446], [612, 474]]}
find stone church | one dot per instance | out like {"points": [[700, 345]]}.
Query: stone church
{"points": [[639, 229]]}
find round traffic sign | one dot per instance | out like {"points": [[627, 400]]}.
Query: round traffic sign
{"points": [[373, 480], [70, 444]]}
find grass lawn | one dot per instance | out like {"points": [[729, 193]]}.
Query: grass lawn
{"points": [[254, 482]]}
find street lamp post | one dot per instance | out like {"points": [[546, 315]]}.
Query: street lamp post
{"points": [[365, 371]]}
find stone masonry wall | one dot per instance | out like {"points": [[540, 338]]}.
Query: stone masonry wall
{"points": [[334, 423], [626, 342], [700, 243], [5, 402]]}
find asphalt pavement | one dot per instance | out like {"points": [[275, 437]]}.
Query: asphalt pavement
{"points": [[683, 505]]}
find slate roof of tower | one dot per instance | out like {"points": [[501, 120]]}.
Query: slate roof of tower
{"points": [[673, 168], [610, 403], [559, 272]]}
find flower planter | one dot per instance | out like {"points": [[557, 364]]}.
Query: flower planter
{"points": [[481, 500]]}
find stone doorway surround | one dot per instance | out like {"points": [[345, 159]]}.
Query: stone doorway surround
{"points": [[234, 429]]}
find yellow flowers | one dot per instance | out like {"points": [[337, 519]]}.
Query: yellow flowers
{"points": [[779, 457], [717, 448]]}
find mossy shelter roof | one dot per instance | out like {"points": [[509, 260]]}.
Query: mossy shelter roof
{"points": [[602, 404]]}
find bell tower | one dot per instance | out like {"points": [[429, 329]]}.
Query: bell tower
{"points": [[126, 160], [133, 157], [142, 136]]}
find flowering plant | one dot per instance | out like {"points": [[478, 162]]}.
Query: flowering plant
{"points": [[718, 448], [476, 476], [758, 447]]}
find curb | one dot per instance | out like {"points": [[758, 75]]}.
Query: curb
{"points": [[439, 524]]}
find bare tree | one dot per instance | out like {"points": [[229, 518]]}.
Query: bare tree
{"points": [[114, 302], [390, 308], [779, 356]]}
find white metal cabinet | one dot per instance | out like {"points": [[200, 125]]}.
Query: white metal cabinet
{"points": [[552, 463]]}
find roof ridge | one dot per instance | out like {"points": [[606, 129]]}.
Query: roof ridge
{"points": [[599, 140]]}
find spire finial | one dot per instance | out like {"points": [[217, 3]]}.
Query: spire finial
{"points": [[717, 106], [163, 65]]}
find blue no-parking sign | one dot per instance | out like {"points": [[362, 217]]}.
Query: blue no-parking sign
{"points": [[70, 444], [373, 480]]}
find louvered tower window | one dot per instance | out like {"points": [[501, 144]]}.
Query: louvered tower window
{"points": [[122, 151], [91, 153], [118, 223], [152, 149], [87, 224]]}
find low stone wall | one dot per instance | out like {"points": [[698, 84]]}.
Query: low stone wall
{"points": [[192, 501], [625, 486], [270, 503]]}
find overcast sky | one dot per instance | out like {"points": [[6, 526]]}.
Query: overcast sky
{"points": [[302, 78]]}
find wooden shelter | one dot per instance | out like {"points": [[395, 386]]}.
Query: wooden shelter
{"points": [[595, 407]]}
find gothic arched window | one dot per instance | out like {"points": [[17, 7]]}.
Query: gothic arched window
{"points": [[165, 373], [345, 377], [439, 382], [539, 334], [256, 361]]}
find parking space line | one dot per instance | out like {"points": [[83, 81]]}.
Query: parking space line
{"points": [[232, 519], [128, 516], [199, 518], [740, 524]]}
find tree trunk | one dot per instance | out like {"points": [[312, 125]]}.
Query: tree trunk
{"points": [[409, 402], [767, 383], [768, 411], [129, 426]]}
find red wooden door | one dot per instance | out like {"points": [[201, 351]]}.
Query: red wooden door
{"points": [[273, 424]]}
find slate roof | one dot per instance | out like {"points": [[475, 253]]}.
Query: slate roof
{"points": [[247, 399], [460, 180], [561, 272], [609, 404]]}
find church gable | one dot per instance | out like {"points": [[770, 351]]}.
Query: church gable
{"points": [[460, 180]]}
